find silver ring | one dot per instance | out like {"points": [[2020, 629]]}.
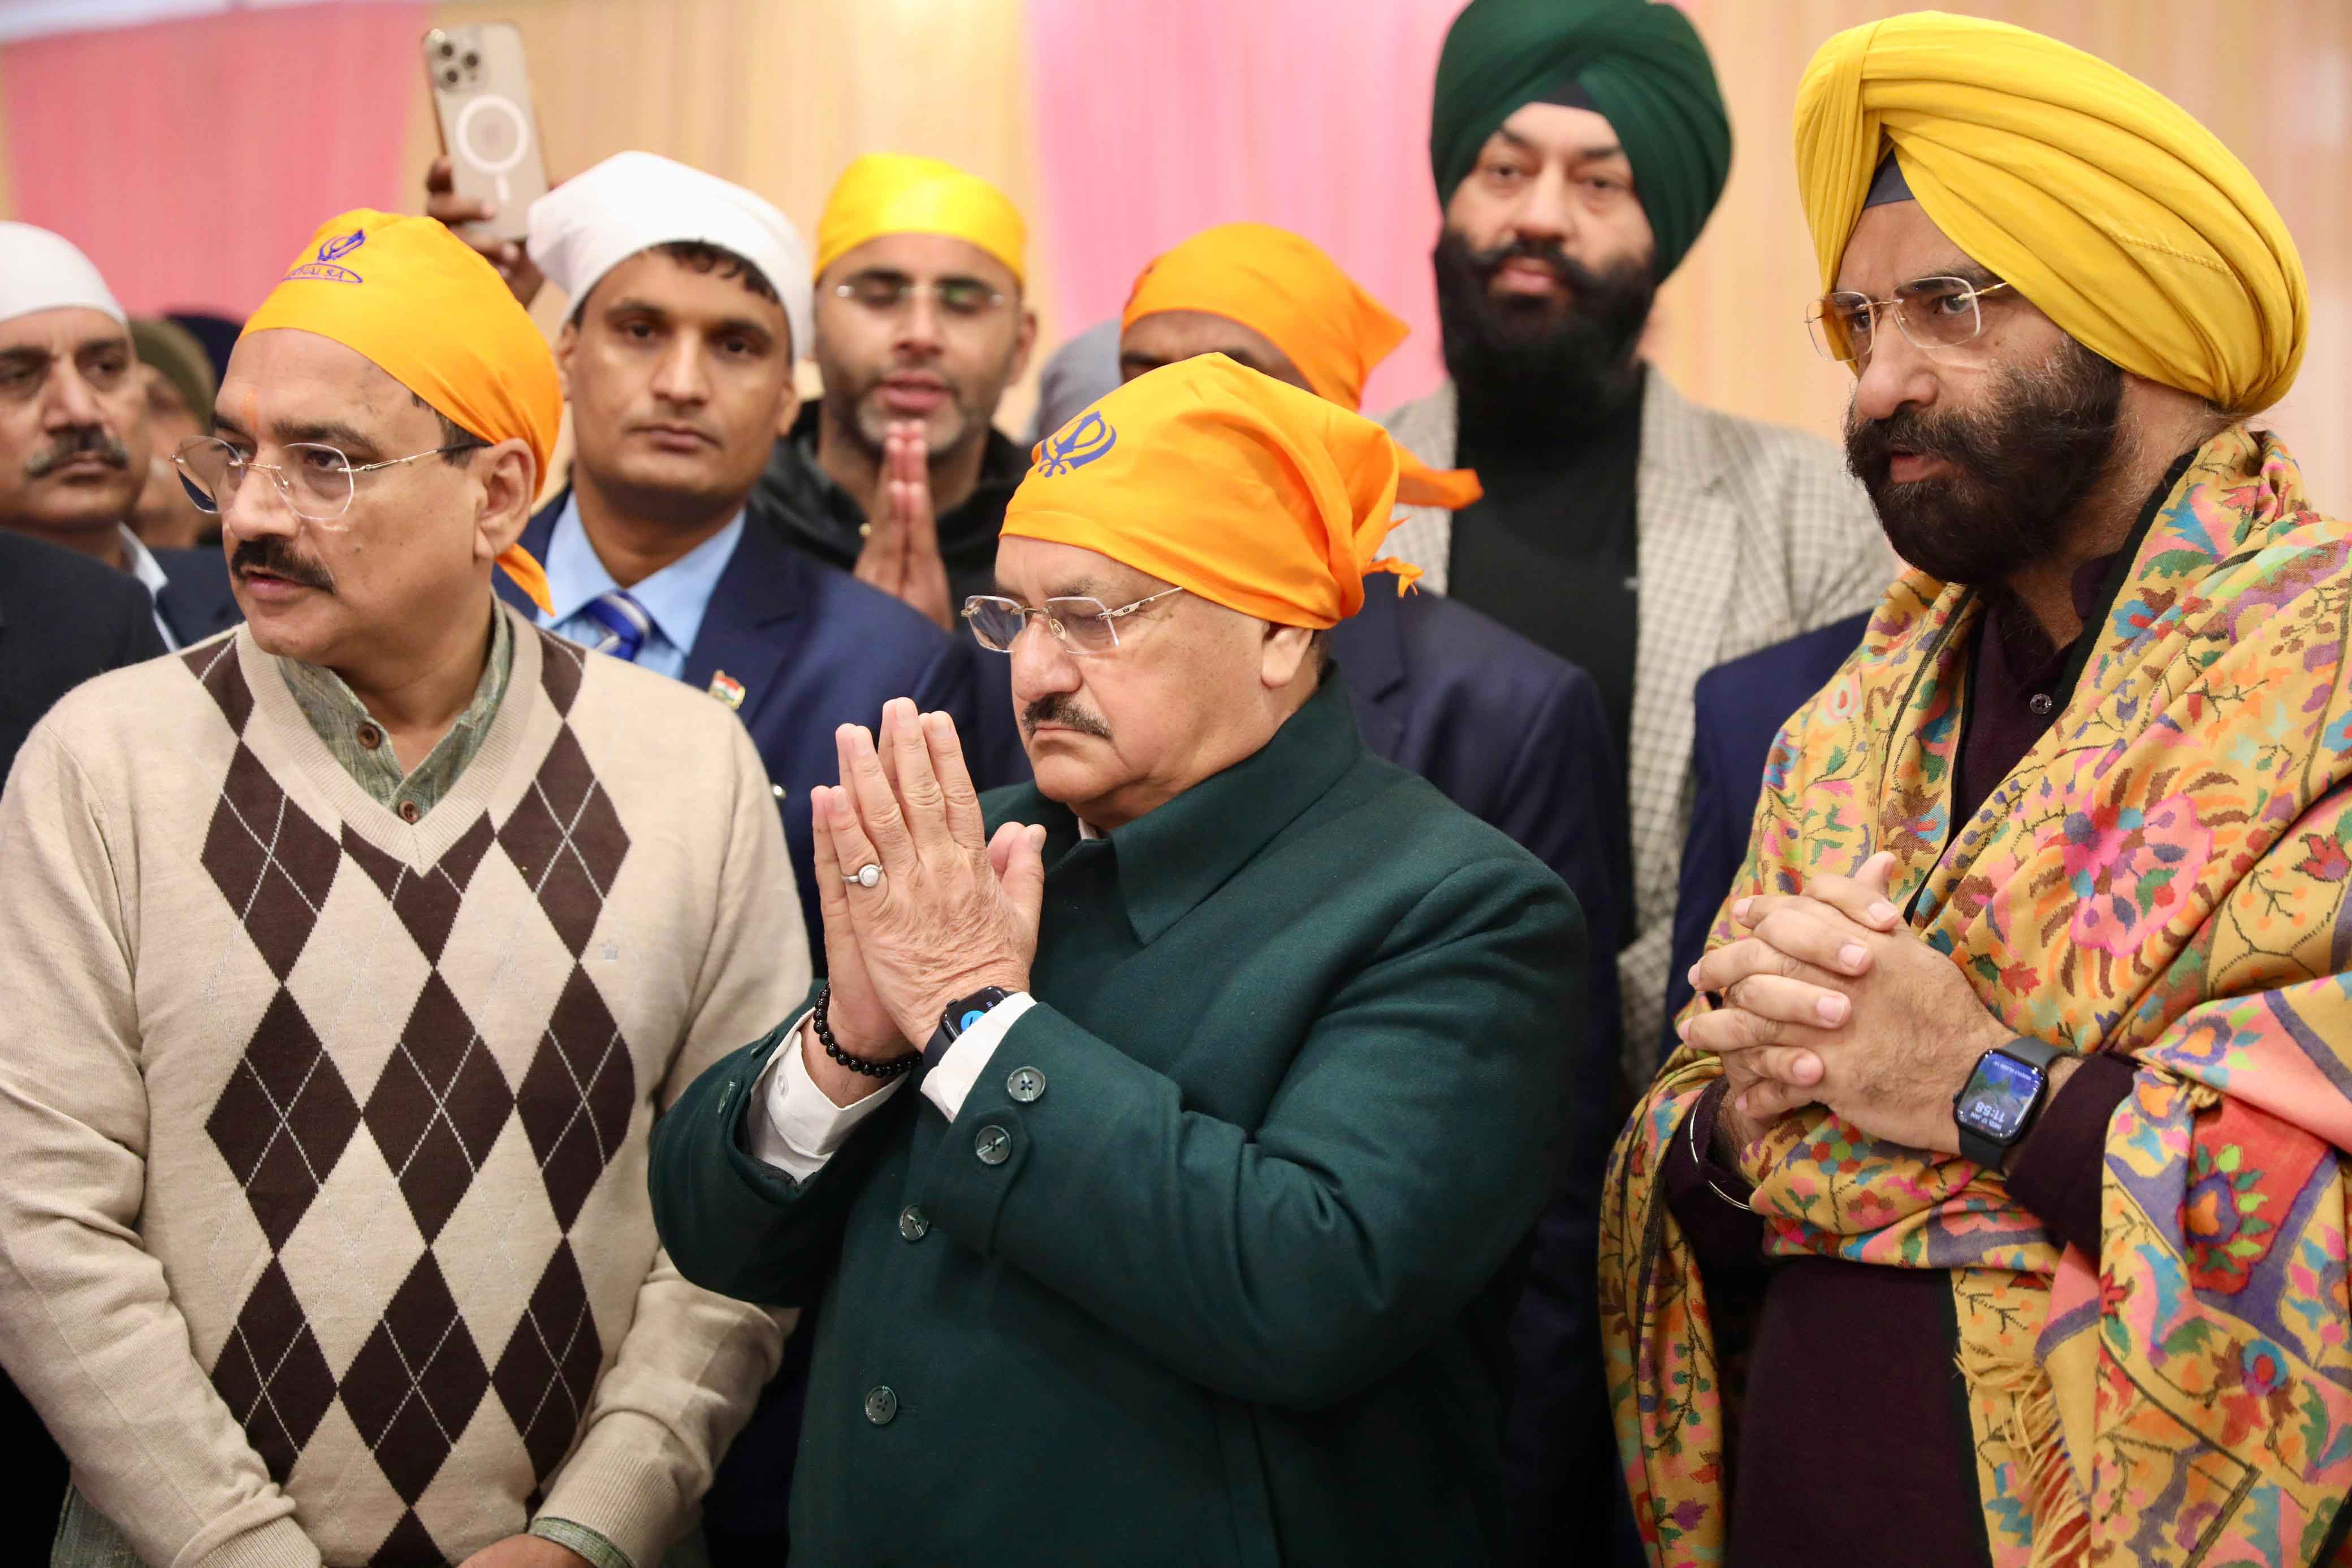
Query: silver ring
{"points": [[867, 875]]}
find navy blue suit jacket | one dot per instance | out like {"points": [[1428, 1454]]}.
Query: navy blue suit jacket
{"points": [[197, 600], [815, 649], [1517, 736], [1742, 707]]}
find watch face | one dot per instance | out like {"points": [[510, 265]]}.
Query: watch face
{"points": [[2001, 1096]]}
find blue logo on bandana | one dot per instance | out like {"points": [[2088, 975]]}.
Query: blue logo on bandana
{"points": [[1083, 443], [324, 270]]}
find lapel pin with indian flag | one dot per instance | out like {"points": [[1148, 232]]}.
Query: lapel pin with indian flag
{"points": [[729, 690]]}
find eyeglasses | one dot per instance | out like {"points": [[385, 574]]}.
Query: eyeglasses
{"points": [[317, 480], [1933, 313], [1081, 626], [887, 292]]}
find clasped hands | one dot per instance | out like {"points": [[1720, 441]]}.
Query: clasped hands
{"points": [[901, 553], [955, 910], [1830, 999]]}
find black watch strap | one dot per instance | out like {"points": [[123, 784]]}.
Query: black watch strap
{"points": [[2036, 1054], [959, 1016]]}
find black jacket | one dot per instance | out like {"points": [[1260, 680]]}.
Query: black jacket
{"points": [[63, 619], [817, 514], [196, 600]]}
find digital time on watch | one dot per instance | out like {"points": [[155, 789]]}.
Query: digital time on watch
{"points": [[1997, 1106]]}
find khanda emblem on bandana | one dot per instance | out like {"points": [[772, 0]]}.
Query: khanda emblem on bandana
{"points": [[323, 269], [1075, 447]]}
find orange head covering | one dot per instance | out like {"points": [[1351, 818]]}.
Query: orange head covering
{"points": [[1240, 487], [1285, 289], [899, 194], [412, 298]]}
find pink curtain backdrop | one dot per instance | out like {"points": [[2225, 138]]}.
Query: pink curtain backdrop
{"points": [[1157, 120], [191, 159]]}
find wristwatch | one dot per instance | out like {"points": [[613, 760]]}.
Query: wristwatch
{"points": [[1997, 1106], [960, 1017]]}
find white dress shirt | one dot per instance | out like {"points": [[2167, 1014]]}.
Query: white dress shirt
{"points": [[674, 598], [143, 566]]}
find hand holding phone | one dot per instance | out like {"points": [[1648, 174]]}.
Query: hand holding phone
{"points": [[492, 166], [464, 216]]}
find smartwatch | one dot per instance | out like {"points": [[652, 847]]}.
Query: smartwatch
{"points": [[1996, 1107], [960, 1016]]}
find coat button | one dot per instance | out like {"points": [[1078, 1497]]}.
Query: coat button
{"points": [[370, 736], [2041, 703], [994, 1145], [881, 1405], [410, 811], [1026, 1085], [912, 1225]]}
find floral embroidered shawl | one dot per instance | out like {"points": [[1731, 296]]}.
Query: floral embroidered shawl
{"points": [[2163, 877]]}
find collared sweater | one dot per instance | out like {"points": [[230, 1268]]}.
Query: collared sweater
{"points": [[326, 1236]]}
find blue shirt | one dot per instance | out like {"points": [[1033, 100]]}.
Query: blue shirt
{"points": [[674, 597]]}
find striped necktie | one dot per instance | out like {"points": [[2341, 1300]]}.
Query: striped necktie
{"points": [[625, 623]]}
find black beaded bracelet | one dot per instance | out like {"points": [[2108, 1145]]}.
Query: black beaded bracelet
{"points": [[896, 1067]]}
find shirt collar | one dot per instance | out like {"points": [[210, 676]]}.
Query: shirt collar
{"points": [[143, 564], [1172, 859], [675, 597], [335, 712]]}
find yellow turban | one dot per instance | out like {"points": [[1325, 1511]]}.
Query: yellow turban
{"points": [[1241, 488], [410, 295], [1285, 289], [2122, 218], [894, 194]]}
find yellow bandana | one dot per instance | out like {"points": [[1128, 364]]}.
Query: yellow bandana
{"points": [[1246, 490], [412, 298], [896, 193]]}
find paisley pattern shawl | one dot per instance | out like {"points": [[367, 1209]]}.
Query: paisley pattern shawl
{"points": [[2165, 877]]}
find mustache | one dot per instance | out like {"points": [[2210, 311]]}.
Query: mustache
{"points": [[1580, 279], [1061, 708], [274, 556], [1871, 445], [83, 441]]}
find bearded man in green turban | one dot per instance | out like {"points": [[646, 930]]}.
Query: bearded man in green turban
{"points": [[1579, 147]]}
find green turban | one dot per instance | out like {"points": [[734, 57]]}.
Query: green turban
{"points": [[1641, 65]]}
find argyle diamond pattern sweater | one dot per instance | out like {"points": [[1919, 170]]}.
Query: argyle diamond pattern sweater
{"points": [[326, 1237]]}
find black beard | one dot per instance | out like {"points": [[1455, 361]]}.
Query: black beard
{"points": [[1533, 368], [2020, 466]]}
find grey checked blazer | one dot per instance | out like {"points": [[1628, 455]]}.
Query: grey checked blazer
{"points": [[1747, 534]]}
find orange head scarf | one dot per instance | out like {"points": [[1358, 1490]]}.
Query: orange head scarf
{"points": [[1241, 488], [1285, 289], [412, 298]]}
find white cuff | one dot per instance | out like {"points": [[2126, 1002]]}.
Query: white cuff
{"points": [[791, 1124], [961, 1063]]}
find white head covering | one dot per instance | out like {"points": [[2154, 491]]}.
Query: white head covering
{"points": [[45, 271], [634, 200]]}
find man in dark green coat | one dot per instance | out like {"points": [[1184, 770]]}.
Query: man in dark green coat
{"points": [[1241, 1057]]}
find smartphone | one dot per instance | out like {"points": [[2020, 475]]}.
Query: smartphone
{"points": [[481, 97]]}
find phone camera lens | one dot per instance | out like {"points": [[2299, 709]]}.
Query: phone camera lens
{"points": [[450, 76], [447, 48], [472, 59]]}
